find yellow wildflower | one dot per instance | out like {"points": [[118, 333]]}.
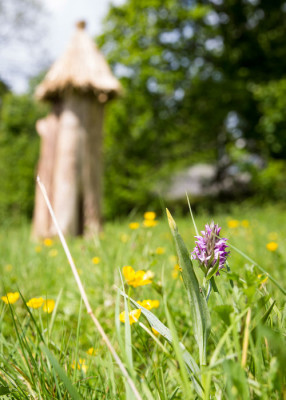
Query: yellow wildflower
{"points": [[150, 215], [175, 274], [155, 332], [160, 250], [49, 305], [263, 278], [138, 278], [272, 246], [177, 267], [8, 267], [53, 253], [10, 297], [133, 316], [48, 242], [91, 351], [80, 365], [245, 223], [95, 260], [35, 302], [134, 225], [149, 304], [233, 223], [148, 223], [38, 249]]}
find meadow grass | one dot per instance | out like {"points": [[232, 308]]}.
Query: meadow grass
{"points": [[59, 355]]}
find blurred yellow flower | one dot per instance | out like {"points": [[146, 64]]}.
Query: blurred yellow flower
{"points": [[149, 304], [155, 332], [35, 302], [133, 316], [80, 365], [48, 306], [160, 250], [134, 225], [177, 267], [95, 260], [53, 253], [8, 267], [233, 223], [150, 215], [245, 223], [91, 351], [149, 223], [138, 278], [11, 297], [175, 272], [124, 238], [263, 278], [272, 246], [48, 242], [38, 249]]}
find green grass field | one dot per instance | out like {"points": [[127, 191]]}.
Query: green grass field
{"points": [[246, 353]]}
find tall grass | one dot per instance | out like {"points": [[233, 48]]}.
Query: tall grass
{"points": [[45, 356]]}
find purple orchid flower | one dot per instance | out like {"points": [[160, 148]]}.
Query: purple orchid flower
{"points": [[210, 248]]}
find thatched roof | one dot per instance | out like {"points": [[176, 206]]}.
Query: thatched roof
{"points": [[82, 67]]}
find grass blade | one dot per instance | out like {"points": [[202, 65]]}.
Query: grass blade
{"points": [[199, 308]]}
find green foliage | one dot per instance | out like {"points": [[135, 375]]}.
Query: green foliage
{"points": [[186, 67], [19, 147], [269, 184], [29, 370]]}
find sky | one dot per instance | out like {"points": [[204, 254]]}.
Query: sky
{"points": [[17, 65]]}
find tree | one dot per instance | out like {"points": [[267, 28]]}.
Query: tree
{"points": [[189, 69]]}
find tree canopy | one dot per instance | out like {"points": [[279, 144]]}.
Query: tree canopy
{"points": [[192, 72]]}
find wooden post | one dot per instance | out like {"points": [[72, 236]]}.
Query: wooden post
{"points": [[47, 128]]}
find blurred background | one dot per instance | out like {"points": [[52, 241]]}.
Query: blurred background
{"points": [[202, 109]]}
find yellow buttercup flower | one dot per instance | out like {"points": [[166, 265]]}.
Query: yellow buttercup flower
{"points": [[134, 225], [35, 302], [81, 365], [96, 260], [149, 304], [150, 215], [272, 246], [138, 278], [155, 332], [48, 242], [245, 223], [38, 249], [133, 316], [53, 253], [263, 278], [233, 223], [48, 306], [10, 297], [149, 223], [91, 351], [160, 250]]}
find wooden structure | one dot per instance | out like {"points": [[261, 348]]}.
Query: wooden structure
{"points": [[77, 86]]}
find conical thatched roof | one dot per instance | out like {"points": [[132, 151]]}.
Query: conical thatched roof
{"points": [[81, 67]]}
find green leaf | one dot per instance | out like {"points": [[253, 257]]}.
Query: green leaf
{"points": [[155, 323], [212, 270], [199, 308], [68, 384], [4, 390]]}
